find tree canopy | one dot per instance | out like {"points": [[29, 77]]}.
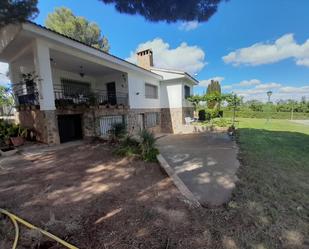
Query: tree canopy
{"points": [[168, 10], [13, 11], [6, 96], [63, 21]]}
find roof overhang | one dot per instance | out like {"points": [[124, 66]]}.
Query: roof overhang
{"points": [[38, 31], [178, 75]]}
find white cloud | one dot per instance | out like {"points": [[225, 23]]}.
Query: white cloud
{"points": [[187, 26], [303, 62], [4, 67], [268, 86], [207, 82], [184, 57], [295, 90], [249, 82], [265, 53], [227, 87], [279, 91]]}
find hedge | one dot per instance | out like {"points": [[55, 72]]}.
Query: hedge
{"points": [[274, 115]]}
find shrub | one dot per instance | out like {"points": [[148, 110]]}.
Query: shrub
{"points": [[221, 122], [147, 145], [213, 113], [8, 130], [128, 147], [118, 130], [201, 115], [144, 147], [264, 115]]}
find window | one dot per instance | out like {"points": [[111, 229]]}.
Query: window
{"points": [[106, 123], [151, 91], [73, 87], [151, 119], [187, 92]]}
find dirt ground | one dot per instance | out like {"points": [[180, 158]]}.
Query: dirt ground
{"points": [[94, 199]]}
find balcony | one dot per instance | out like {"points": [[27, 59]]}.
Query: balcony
{"points": [[73, 96], [26, 96]]}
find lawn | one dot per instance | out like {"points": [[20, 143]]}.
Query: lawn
{"points": [[273, 191]]}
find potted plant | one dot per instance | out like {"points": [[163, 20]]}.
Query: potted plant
{"points": [[19, 138], [231, 130]]}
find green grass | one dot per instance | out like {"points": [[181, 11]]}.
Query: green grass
{"points": [[272, 196]]}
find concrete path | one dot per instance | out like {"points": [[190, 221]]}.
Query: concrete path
{"points": [[205, 162], [304, 122]]}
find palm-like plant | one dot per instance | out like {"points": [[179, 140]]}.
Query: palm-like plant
{"points": [[147, 145]]}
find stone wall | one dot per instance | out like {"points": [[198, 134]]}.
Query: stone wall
{"points": [[134, 124], [44, 123], [173, 119], [91, 117]]}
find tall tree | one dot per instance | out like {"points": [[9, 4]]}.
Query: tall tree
{"points": [[63, 20], [213, 92], [168, 10], [14, 11]]}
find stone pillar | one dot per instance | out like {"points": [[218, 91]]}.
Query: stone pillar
{"points": [[43, 70]]}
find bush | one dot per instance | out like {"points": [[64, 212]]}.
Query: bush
{"points": [[201, 115], [128, 147], [213, 113], [8, 130], [264, 115], [118, 130], [221, 122], [147, 146], [144, 147]]}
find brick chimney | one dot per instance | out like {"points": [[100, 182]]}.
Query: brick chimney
{"points": [[145, 59]]}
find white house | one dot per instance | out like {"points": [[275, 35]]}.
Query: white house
{"points": [[80, 91]]}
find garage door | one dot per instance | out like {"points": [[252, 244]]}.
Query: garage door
{"points": [[70, 127]]}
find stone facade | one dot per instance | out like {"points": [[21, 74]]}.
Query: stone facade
{"points": [[173, 119], [44, 123], [137, 120]]}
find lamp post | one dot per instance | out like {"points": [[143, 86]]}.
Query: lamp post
{"points": [[269, 93]]}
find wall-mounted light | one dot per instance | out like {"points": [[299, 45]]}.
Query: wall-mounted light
{"points": [[81, 72], [52, 61]]}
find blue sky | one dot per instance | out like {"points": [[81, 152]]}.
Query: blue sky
{"points": [[251, 46]]}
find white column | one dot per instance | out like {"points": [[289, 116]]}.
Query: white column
{"points": [[43, 70]]}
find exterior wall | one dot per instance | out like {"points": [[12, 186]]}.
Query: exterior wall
{"points": [[137, 99], [91, 117], [171, 94], [44, 123], [133, 123], [58, 74], [119, 78], [172, 119]]}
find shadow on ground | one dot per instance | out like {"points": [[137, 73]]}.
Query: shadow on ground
{"points": [[95, 200]]}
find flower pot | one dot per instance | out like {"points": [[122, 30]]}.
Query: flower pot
{"points": [[17, 141], [8, 151]]}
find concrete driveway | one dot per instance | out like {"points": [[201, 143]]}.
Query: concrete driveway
{"points": [[205, 162]]}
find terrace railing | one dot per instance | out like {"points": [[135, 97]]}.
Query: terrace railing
{"points": [[27, 95], [71, 96]]}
